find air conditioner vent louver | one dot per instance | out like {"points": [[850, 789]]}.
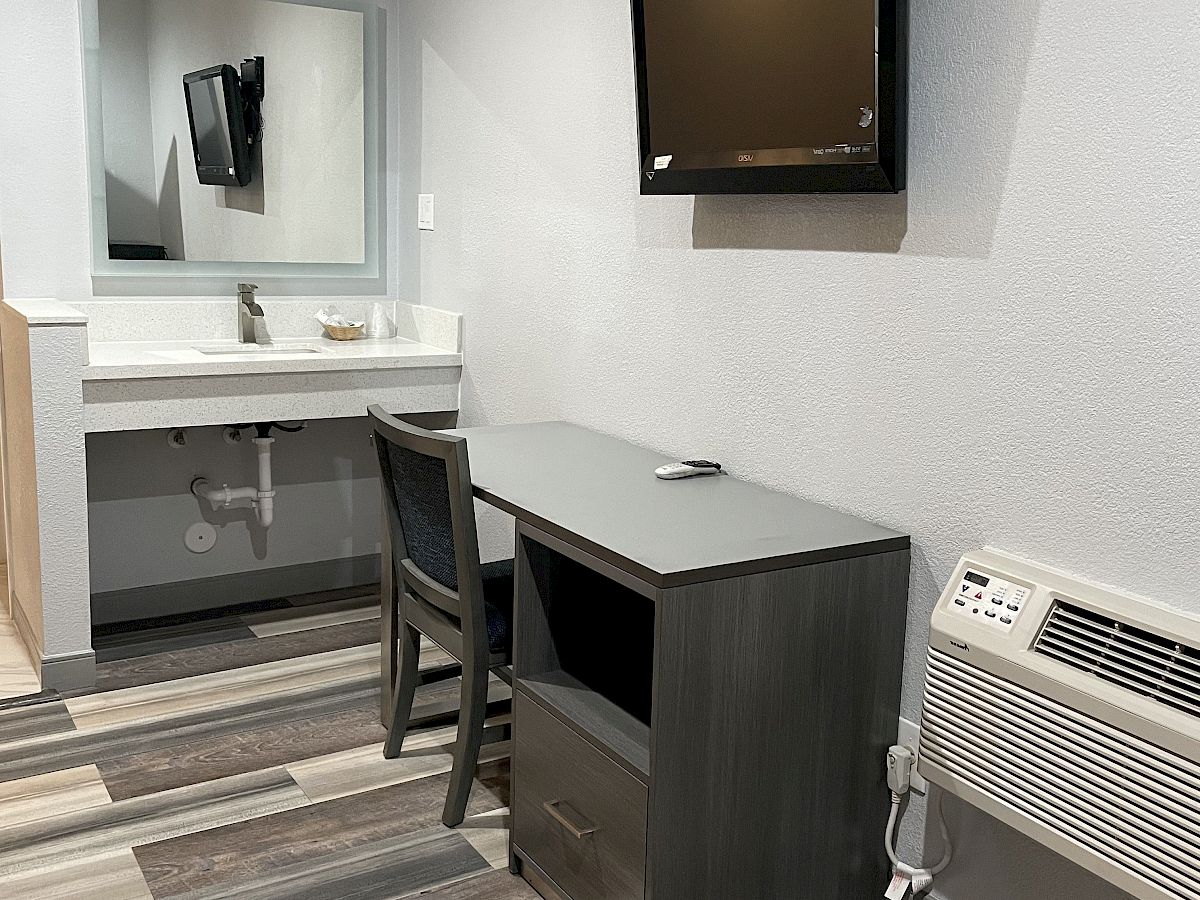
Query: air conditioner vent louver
{"points": [[1140, 661], [1118, 798]]}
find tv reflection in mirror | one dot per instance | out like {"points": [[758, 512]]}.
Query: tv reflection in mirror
{"points": [[225, 120], [182, 169]]}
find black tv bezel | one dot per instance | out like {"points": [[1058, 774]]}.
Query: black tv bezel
{"points": [[887, 175], [231, 86]]}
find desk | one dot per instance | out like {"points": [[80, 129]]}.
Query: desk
{"points": [[706, 676]]}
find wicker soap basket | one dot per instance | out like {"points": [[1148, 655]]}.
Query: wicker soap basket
{"points": [[339, 327], [344, 332]]}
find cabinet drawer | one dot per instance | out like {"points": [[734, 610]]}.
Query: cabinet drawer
{"points": [[577, 814]]}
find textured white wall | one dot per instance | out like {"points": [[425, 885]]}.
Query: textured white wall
{"points": [[1007, 355], [44, 216]]}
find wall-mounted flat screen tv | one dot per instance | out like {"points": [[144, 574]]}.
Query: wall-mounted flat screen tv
{"points": [[219, 144], [771, 96]]}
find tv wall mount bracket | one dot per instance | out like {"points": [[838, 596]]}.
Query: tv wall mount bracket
{"points": [[253, 91]]}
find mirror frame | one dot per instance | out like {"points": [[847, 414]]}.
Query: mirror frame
{"points": [[211, 276]]}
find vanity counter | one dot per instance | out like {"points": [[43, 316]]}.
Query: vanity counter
{"points": [[131, 360], [203, 376], [70, 370]]}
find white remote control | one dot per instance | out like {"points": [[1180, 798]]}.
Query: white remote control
{"points": [[687, 469]]}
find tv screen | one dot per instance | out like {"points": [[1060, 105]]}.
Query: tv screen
{"points": [[219, 146], [770, 95]]}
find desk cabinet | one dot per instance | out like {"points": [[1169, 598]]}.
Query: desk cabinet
{"points": [[706, 677], [716, 739]]}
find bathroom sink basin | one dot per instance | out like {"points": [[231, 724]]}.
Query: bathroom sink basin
{"points": [[259, 350]]}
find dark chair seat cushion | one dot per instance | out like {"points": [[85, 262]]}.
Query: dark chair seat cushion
{"points": [[498, 603]]}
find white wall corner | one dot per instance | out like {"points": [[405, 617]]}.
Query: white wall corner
{"points": [[55, 359]]}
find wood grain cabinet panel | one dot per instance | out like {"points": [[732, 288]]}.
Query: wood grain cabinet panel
{"points": [[577, 813]]}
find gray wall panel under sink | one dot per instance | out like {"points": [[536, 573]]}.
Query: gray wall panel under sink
{"points": [[325, 535], [139, 504], [1006, 355]]}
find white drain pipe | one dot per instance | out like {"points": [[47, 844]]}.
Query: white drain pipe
{"points": [[262, 498]]}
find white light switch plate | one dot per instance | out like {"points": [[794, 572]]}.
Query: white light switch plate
{"points": [[909, 735], [425, 212]]}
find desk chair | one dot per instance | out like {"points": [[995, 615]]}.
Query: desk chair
{"points": [[440, 588]]}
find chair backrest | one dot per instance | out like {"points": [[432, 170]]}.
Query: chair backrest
{"points": [[426, 482]]}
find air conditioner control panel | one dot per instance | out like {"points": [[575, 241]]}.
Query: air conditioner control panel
{"points": [[989, 599]]}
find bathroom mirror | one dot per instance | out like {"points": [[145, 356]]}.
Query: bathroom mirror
{"points": [[234, 137]]}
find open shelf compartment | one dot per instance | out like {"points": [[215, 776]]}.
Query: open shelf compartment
{"points": [[584, 651]]}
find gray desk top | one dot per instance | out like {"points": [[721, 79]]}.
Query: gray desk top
{"points": [[600, 494]]}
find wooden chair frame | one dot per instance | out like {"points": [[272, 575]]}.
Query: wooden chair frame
{"points": [[414, 604]]}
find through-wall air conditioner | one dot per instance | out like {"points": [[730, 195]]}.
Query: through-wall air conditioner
{"points": [[1072, 713]]}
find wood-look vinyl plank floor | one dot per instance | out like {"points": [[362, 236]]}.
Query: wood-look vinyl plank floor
{"points": [[49, 695], [306, 618], [39, 720], [224, 857], [54, 751], [217, 755], [64, 750], [490, 886], [26, 800], [221, 690], [488, 834], [107, 876], [364, 769], [389, 869], [206, 660], [212, 761], [17, 674], [353, 736], [134, 644], [130, 823]]}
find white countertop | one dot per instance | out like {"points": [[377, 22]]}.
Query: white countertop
{"points": [[119, 360], [45, 311]]}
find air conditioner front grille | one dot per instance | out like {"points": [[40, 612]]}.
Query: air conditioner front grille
{"points": [[1121, 799], [1140, 661]]}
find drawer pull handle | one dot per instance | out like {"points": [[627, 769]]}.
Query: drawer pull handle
{"points": [[580, 832]]}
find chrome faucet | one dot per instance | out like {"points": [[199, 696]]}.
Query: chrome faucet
{"points": [[248, 313]]}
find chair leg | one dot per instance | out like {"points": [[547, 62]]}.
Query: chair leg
{"points": [[471, 714], [389, 609], [406, 687]]}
